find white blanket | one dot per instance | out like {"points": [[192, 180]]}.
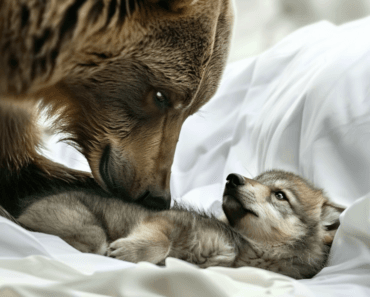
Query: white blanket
{"points": [[302, 106]]}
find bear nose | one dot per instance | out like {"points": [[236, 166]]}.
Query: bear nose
{"points": [[148, 200], [234, 180]]}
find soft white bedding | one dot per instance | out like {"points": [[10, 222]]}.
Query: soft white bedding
{"points": [[302, 106]]}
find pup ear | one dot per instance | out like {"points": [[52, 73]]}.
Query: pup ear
{"points": [[330, 220], [174, 5]]}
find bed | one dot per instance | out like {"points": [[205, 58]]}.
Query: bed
{"points": [[302, 106]]}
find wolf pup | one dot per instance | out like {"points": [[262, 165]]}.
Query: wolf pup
{"points": [[117, 77], [278, 221]]}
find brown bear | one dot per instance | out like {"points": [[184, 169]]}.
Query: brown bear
{"points": [[117, 77]]}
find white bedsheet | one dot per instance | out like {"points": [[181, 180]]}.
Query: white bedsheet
{"points": [[302, 106]]}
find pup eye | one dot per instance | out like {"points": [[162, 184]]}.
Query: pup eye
{"points": [[280, 196], [160, 99]]}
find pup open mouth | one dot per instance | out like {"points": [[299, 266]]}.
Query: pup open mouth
{"points": [[251, 212], [232, 203], [234, 209]]}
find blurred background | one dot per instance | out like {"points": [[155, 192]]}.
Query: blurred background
{"points": [[262, 23]]}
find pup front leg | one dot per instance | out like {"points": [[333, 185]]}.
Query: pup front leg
{"points": [[148, 242]]}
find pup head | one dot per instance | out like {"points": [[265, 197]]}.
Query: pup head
{"points": [[121, 77], [279, 208]]}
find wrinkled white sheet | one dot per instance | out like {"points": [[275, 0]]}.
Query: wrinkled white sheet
{"points": [[302, 106]]}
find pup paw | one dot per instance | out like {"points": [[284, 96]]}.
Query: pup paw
{"points": [[137, 250], [125, 249], [207, 253]]}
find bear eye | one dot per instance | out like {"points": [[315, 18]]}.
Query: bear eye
{"points": [[160, 99], [280, 196]]}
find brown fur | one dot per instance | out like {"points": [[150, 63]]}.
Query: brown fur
{"points": [[291, 236], [96, 66]]}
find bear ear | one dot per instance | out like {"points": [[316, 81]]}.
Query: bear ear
{"points": [[174, 5], [330, 220]]}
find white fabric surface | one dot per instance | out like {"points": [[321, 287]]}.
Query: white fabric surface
{"points": [[302, 106]]}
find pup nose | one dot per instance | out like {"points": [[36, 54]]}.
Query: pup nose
{"points": [[234, 180]]}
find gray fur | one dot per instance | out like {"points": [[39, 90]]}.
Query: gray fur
{"points": [[298, 247]]}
